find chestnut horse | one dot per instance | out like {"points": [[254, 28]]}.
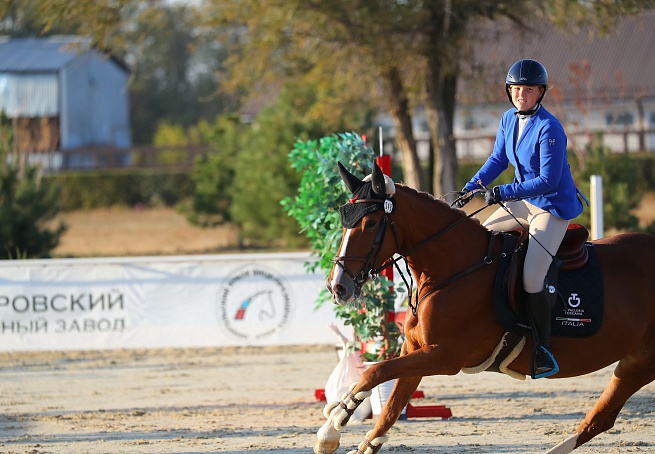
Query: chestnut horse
{"points": [[455, 327]]}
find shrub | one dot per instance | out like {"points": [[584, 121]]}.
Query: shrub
{"points": [[28, 204], [624, 184]]}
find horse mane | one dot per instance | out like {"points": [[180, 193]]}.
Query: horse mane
{"points": [[428, 199]]}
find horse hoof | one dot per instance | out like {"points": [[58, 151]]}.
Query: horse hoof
{"points": [[324, 447], [327, 439]]}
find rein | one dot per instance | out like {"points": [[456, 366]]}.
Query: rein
{"points": [[371, 258], [486, 261]]}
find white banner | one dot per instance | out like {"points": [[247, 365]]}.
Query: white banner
{"points": [[158, 302]]}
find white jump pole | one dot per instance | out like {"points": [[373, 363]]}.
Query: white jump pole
{"points": [[597, 227]]}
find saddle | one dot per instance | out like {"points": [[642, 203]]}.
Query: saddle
{"points": [[571, 255], [577, 276]]}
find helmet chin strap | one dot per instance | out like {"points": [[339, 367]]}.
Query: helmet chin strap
{"points": [[528, 112]]}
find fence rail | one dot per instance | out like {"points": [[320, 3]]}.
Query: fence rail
{"points": [[183, 158], [141, 157], [479, 146]]}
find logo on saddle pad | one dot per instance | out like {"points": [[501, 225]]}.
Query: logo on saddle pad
{"points": [[575, 314], [574, 300], [579, 308]]}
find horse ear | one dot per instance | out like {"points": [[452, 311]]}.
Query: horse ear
{"points": [[352, 182], [379, 184]]}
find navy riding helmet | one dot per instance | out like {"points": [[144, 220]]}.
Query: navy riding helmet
{"points": [[527, 72]]}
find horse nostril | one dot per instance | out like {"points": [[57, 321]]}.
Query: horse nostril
{"points": [[339, 290]]}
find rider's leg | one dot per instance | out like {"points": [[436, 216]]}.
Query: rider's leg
{"points": [[539, 306], [547, 233], [500, 220]]}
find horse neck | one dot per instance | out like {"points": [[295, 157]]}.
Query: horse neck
{"points": [[419, 217]]}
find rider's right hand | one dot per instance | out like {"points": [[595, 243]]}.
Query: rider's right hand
{"points": [[463, 197]]}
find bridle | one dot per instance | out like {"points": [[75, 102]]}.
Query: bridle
{"points": [[369, 271]]}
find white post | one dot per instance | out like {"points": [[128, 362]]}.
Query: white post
{"points": [[381, 143], [597, 227]]}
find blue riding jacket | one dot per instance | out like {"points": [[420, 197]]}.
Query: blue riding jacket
{"points": [[542, 173]]}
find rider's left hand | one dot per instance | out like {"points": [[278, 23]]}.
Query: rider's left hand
{"points": [[492, 196]]}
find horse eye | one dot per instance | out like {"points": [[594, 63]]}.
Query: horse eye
{"points": [[370, 223]]}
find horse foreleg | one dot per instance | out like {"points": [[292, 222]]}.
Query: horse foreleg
{"points": [[398, 399], [338, 414]]}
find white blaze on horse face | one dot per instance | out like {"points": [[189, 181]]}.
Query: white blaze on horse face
{"points": [[339, 273]]}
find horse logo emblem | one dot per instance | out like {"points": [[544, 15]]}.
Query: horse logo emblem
{"points": [[253, 304]]}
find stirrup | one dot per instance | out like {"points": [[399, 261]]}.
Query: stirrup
{"points": [[541, 351]]}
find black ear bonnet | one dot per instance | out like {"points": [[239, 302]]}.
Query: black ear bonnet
{"points": [[352, 211], [369, 195]]}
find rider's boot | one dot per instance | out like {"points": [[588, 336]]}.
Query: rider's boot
{"points": [[539, 306]]}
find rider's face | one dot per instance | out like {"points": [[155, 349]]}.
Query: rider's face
{"points": [[524, 97]]}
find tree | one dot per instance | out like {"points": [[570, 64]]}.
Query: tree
{"points": [[27, 205], [332, 45], [247, 174], [170, 83], [213, 173], [398, 55], [263, 175]]}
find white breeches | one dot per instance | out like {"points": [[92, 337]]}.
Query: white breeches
{"points": [[545, 227]]}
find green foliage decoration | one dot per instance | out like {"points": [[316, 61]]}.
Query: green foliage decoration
{"points": [[321, 191], [371, 321], [315, 208]]}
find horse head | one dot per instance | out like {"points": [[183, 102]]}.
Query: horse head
{"points": [[364, 245]]}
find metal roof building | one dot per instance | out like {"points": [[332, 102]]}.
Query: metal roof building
{"points": [[62, 94]]}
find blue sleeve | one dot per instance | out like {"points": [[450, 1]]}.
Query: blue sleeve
{"points": [[495, 164], [551, 147]]}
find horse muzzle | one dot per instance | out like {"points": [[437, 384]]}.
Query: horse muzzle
{"points": [[344, 290]]}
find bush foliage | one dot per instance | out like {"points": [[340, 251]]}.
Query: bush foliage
{"points": [[624, 184], [28, 205], [321, 191], [87, 190]]}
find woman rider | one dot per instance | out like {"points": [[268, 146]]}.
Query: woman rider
{"points": [[542, 197]]}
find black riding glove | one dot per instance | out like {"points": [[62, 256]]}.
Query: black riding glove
{"points": [[463, 197], [492, 196]]}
